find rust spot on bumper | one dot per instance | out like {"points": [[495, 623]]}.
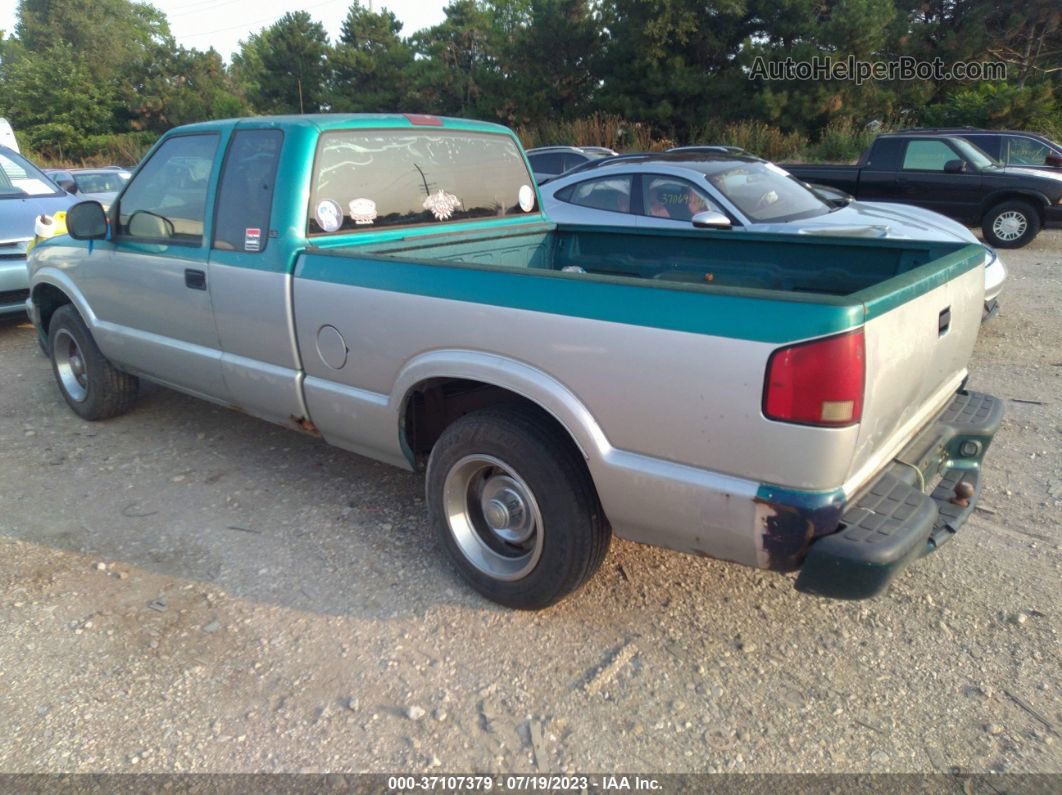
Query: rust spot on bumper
{"points": [[789, 527]]}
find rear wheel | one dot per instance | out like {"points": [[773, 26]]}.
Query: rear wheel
{"points": [[1011, 224], [90, 384], [512, 504]]}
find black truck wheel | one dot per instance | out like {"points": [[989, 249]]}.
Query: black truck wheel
{"points": [[513, 505], [1011, 224], [90, 384]]}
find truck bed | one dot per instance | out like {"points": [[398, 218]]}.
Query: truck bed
{"points": [[716, 261]]}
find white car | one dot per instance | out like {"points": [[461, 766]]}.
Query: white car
{"points": [[740, 192]]}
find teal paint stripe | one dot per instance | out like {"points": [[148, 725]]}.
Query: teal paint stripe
{"points": [[897, 291], [803, 500], [656, 305]]}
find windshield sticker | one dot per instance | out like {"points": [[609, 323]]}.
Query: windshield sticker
{"points": [[252, 239], [526, 198], [363, 211], [441, 204], [329, 216]]}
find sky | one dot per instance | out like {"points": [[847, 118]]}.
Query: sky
{"points": [[221, 24]]}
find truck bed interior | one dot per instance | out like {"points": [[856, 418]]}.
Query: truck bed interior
{"points": [[727, 259]]}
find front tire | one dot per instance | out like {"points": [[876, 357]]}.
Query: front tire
{"points": [[513, 505], [1011, 224], [90, 384]]}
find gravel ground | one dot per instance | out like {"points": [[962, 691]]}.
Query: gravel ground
{"points": [[189, 589]]}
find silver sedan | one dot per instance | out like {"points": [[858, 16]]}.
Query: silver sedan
{"points": [[740, 192]]}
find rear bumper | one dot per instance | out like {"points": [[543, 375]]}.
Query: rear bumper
{"points": [[895, 522]]}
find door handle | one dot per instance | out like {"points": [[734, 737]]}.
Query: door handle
{"points": [[943, 321], [194, 279]]}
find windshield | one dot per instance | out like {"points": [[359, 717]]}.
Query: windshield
{"points": [[100, 182], [764, 192], [974, 154], [365, 179], [19, 178]]}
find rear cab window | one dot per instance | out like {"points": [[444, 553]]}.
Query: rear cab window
{"points": [[369, 179], [245, 193], [166, 201]]}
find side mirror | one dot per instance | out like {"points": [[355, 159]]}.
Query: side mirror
{"points": [[710, 220], [1053, 160], [87, 221], [954, 167]]}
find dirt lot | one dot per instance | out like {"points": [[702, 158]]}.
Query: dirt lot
{"points": [[189, 589]]}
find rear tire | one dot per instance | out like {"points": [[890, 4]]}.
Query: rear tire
{"points": [[513, 505], [90, 384], [1011, 224]]}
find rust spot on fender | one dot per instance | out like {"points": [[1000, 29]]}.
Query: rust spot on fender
{"points": [[305, 424]]}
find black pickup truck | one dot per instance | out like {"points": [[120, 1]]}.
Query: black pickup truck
{"points": [[953, 177]]}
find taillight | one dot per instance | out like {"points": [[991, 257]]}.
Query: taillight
{"points": [[818, 382]]}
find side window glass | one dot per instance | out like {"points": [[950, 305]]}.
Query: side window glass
{"points": [[572, 160], [674, 198], [245, 194], [1027, 152], [548, 163], [166, 201], [927, 156], [989, 144], [612, 194]]}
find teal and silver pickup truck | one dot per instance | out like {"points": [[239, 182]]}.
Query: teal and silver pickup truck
{"points": [[390, 283]]}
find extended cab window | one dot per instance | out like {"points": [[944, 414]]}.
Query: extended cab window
{"points": [[166, 200], [610, 193], [927, 156], [366, 179], [245, 195]]}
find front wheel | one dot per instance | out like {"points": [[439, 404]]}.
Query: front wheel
{"points": [[1011, 224], [90, 384], [513, 505]]}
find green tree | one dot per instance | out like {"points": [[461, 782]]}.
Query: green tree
{"points": [[285, 69], [370, 63], [457, 70]]}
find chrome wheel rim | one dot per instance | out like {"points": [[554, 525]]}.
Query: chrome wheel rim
{"points": [[70, 364], [493, 517], [1009, 225]]}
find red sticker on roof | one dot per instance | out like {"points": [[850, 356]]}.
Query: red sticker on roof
{"points": [[424, 119]]}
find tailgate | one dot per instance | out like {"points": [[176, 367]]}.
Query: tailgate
{"points": [[920, 333]]}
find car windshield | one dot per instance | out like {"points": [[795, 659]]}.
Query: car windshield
{"points": [[366, 179], [764, 193], [19, 177], [99, 182], [974, 154]]}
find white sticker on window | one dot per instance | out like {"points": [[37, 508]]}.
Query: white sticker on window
{"points": [[363, 211], [526, 198], [329, 216], [441, 204], [252, 239]]}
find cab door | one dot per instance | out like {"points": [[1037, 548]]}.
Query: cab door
{"points": [[148, 285]]}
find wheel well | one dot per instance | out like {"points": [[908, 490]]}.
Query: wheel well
{"points": [[48, 298], [994, 201], [432, 405]]}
